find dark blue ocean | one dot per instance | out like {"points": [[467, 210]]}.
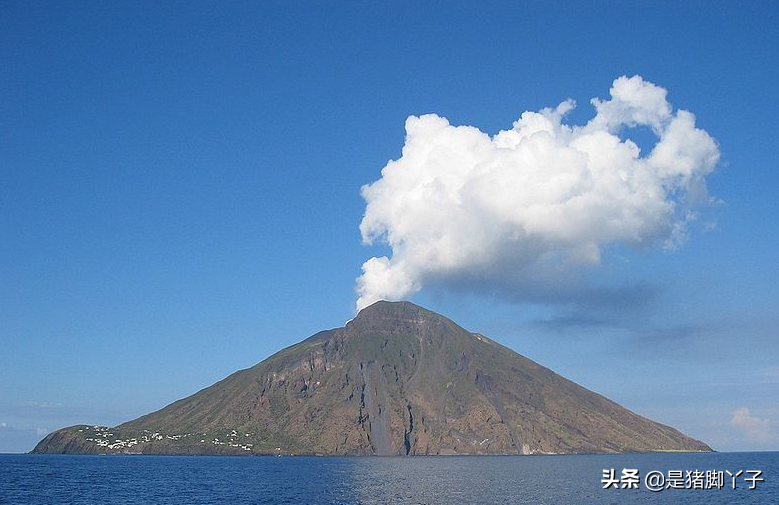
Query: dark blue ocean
{"points": [[45, 479]]}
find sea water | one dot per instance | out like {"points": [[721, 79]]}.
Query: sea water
{"points": [[60, 479]]}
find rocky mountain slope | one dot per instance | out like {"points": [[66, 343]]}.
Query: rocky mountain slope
{"points": [[398, 379]]}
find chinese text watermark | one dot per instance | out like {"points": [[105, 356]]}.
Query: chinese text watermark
{"points": [[657, 481]]}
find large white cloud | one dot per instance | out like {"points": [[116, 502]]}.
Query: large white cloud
{"points": [[527, 205]]}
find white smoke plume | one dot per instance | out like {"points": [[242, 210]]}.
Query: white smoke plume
{"points": [[531, 203]]}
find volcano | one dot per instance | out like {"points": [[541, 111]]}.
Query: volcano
{"points": [[396, 380]]}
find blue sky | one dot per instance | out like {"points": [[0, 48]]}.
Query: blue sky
{"points": [[180, 196]]}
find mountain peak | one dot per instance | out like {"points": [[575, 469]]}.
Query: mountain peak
{"points": [[384, 308], [399, 317]]}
